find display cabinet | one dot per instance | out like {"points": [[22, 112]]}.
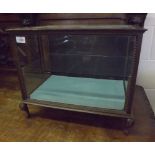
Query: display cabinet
{"points": [[82, 68]]}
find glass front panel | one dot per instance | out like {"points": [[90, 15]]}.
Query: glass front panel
{"points": [[84, 70]]}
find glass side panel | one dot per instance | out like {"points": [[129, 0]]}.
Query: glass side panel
{"points": [[30, 62], [86, 70], [29, 55]]}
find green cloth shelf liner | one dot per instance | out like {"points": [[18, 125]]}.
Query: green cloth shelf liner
{"points": [[101, 93]]}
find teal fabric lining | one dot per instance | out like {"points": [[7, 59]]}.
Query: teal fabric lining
{"points": [[90, 92]]}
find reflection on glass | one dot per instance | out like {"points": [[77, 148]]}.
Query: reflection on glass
{"points": [[90, 55]]}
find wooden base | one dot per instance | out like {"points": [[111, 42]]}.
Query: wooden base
{"points": [[127, 121]]}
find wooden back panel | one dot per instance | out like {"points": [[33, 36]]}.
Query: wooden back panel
{"points": [[91, 18], [81, 18]]}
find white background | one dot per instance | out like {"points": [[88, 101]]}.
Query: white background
{"points": [[146, 72]]}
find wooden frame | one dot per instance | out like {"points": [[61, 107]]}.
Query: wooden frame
{"points": [[40, 31]]}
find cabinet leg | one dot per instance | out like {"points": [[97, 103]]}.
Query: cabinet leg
{"points": [[25, 109], [126, 132], [128, 123]]}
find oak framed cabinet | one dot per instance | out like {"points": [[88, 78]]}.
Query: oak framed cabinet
{"points": [[81, 67]]}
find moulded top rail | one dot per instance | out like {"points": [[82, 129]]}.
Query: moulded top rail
{"points": [[78, 27]]}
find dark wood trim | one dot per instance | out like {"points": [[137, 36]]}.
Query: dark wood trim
{"points": [[78, 108], [64, 16], [132, 80], [78, 27]]}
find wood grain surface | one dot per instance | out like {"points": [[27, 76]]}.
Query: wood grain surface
{"points": [[55, 125]]}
